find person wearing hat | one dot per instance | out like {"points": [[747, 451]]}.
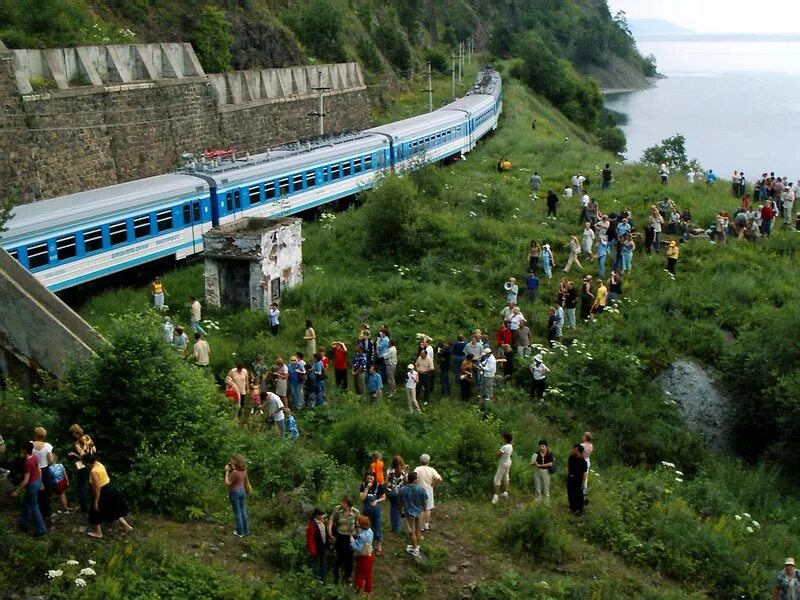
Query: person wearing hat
{"points": [[489, 370], [412, 379], [576, 478], [513, 290], [787, 584], [672, 256], [539, 372], [546, 261]]}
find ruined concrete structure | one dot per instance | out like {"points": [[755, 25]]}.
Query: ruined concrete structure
{"points": [[251, 262], [80, 118]]}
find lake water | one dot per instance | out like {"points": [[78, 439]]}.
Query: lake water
{"points": [[736, 102]]}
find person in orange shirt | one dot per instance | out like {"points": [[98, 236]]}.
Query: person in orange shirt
{"points": [[376, 466]]}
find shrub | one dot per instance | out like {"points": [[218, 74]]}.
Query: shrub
{"points": [[536, 533], [612, 139], [319, 27], [438, 59], [213, 40], [388, 217]]}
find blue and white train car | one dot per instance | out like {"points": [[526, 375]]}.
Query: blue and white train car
{"points": [[76, 238]]}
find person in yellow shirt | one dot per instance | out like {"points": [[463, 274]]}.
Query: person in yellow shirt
{"points": [[673, 252], [159, 291], [600, 299]]}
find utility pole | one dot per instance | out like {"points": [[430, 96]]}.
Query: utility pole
{"points": [[320, 114], [453, 72], [460, 60], [430, 89]]}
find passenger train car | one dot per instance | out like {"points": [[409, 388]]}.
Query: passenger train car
{"points": [[76, 238]]}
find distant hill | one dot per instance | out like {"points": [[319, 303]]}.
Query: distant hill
{"points": [[647, 27]]}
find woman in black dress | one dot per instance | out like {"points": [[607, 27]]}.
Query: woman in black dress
{"points": [[108, 504], [576, 474], [587, 297]]}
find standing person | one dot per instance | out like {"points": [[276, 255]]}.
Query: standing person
{"points": [[395, 480], [374, 384], [588, 448], [459, 353], [788, 204], [179, 340], [546, 261], [628, 246], [533, 256], [614, 287], [297, 374], [412, 379], [274, 314], [488, 372], [372, 495], [275, 415], [424, 367], [663, 172], [341, 526], [602, 255], [292, 432], [391, 366], [601, 299], [512, 295], [445, 356], [361, 543], [31, 483], [588, 239], [108, 505], [317, 544], [787, 584], [587, 297], [201, 351], [196, 313], [340, 364], [428, 478], [238, 487], [531, 285], [169, 330], [82, 444], [524, 339], [542, 462], [59, 480], [552, 201], [536, 184], [767, 215], [501, 478], [576, 478], [466, 376], [43, 451], [574, 250], [570, 305], [552, 325], [241, 378], [413, 501], [605, 178], [280, 372], [318, 369], [234, 397], [508, 364], [381, 348], [359, 371], [673, 252], [311, 338], [158, 291], [539, 372]]}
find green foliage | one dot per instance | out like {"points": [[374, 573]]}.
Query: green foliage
{"points": [[671, 150], [213, 40], [43, 23], [536, 533], [650, 68], [612, 139], [500, 40], [394, 46], [389, 215], [20, 416], [438, 59], [318, 25], [369, 55]]}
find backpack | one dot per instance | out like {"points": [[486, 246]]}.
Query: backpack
{"points": [[554, 468]]}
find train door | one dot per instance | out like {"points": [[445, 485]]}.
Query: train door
{"points": [[193, 221]]}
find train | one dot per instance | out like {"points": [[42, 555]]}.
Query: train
{"points": [[76, 238]]}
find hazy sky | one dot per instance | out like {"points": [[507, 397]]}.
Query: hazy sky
{"points": [[729, 16]]}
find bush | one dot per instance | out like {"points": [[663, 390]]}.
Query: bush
{"points": [[213, 40], [612, 139], [388, 218], [535, 532], [439, 61], [319, 27]]}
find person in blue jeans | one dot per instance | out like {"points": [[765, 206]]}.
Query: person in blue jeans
{"points": [[372, 495], [395, 479], [296, 375], [238, 487], [31, 484]]}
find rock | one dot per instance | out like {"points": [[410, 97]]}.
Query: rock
{"points": [[466, 564], [452, 569]]}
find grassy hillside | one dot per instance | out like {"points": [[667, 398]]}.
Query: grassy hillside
{"points": [[667, 519]]}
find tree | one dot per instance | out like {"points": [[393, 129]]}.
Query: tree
{"points": [[612, 139], [319, 27], [213, 40], [671, 150]]}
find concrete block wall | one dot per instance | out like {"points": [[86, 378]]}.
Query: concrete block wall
{"points": [[112, 114]]}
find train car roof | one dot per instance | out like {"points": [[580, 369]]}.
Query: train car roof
{"points": [[472, 104], [108, 202], [420, 124]]}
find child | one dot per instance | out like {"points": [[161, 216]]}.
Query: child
{"points": [[377, 467], [59, 480], [291, 425], [255, 396]]}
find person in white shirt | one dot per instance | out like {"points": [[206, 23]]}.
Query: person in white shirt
{"points": [[539, 372], [274, 314], [427, 477], [503, 466], [690, 177], [196, 312], [274, 405], [390, 358], [202, 352], [489, 370], [412, 379], [588, 239], [169, 330]]}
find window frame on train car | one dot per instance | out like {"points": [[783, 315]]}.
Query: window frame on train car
{"points": [[14, 254], [88, 241], [45, 254], [368, 162], [112, 233], [335, 172], [237, 200], [228, 202], [269, 190], [311, 178], [164, 220], [347, 169], [283, 186], [254, 194], [66, 247], [141, 222], [357, 165], [297, 182]]}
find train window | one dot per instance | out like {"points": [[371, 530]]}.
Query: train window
{"points": [[14, 254], [368, 163], [164, 220], [357, 165], [38, 255], [311, 178], [141, 227], [283, 186], [196, 211], [66, 248], [346, 169], [334, 172], [229, 202], [255, 195], [92, 240], [118, 232], [237, 199], [187, 214], [297, 182], [269, 190]]}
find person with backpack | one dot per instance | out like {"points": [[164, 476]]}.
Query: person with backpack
{"points": [[544, 464], [361, 544]]}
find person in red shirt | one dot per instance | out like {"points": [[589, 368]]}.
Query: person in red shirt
{"points": [[31, 483], [503, 335], [340, 364], [316, 541], [766, 218]]}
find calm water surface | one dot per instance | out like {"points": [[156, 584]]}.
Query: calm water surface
{"points": [[736, 102]]}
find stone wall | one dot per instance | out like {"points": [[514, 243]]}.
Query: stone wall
{"points": [[86, 127]]}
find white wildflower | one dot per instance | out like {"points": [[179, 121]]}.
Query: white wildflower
{"points": [[737, 517], [756, 524], [749, 529], [73, 562], [668, 464], [53, 573], [80, 582], [92, 562], [679, 473], [747, 515], [679, 480], [87, 571]]}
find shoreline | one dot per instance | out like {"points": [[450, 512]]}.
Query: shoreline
{"points": [[651, 83]]}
